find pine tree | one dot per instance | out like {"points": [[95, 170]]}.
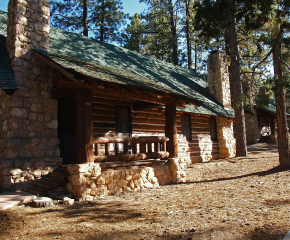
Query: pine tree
{"points": [[107, 17], [133, 34], [161, 30], [220, 19], [70, 15], [101, 18]]}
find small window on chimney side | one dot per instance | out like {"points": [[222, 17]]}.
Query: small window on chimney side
{"points": [[186, 126], [212, 128]]}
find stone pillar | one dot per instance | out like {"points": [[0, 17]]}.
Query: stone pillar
{"points": [[29, 128], [218, 78], [226, 140]]}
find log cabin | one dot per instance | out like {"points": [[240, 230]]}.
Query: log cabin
{"points": [[119, 120]]}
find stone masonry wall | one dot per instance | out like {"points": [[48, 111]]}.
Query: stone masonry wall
{"points": [[88, 181], [218, 78], [227, 142], [205, 147], [29, 117]]}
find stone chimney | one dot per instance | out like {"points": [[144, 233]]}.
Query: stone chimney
{"points": [[27, 28], [218, 78], [29, 143]]}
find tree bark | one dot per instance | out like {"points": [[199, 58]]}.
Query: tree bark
{"points": [[282, 128], [102, 22], [235, 72], [189, 60], [173, 35], [85, 18]]}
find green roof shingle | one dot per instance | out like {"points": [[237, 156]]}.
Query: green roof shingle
{"points": [[115, 64]]}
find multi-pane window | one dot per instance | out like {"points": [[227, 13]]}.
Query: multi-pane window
{"points": [[186, 126], [212, 128]]}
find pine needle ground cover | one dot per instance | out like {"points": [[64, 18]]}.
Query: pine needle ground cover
{"points": [[240, 198]]}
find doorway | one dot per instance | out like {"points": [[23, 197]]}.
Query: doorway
{"points": [[67, 130]]}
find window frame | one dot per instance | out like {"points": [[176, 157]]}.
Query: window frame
{"points": [[186, 128], [129, 119], [212, 120]]}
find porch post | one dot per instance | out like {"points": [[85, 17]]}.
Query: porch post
{"points": [[272, 125], [171, 129], [84, 126]]}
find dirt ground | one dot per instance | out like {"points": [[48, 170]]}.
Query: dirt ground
{"points": [[240, 198]]}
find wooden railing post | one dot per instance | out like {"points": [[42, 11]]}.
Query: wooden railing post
{"points": [[145, 153], [84, 128], [150, 147], [156, 147], [126, 148], [171, 129], [97, 149]]}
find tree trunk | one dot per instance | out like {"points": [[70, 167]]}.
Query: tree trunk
{"points": [[173, 35], [189, 60], [282, 128], [85, 18], [235, 72], [102, 22]]}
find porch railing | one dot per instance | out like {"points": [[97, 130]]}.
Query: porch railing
{"points": [[130, 148]]}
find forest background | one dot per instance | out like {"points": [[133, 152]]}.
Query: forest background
{"points": [[253, 34]]}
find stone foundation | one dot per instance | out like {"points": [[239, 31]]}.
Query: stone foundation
{"points": [[88, 181], [20, 174]]}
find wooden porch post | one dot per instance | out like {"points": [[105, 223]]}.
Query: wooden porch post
{"points": [[84, 126], [171, 129]]}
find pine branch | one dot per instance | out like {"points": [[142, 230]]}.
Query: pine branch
{"points": [[282, 26], [282, 61]]}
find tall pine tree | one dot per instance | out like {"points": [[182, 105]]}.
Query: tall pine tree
{"points": [[99, 18], [161, 39], [221, 18]]}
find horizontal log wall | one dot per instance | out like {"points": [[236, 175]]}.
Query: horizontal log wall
{"points": [[104, 115], [152, 123], [200, 148]]}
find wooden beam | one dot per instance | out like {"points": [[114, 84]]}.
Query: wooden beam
{"points": [[141, 139], [123, 93], [131, 157], [171, 129], [60, 92], [84, 126], [142, 106]]}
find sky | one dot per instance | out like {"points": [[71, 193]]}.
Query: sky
{"points": [[130, 6]]}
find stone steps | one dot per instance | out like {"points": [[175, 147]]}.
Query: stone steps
{"points": [[53, 184]]}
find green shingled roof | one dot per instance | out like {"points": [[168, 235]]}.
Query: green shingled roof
{"points": [[114, 64], [271, 107]]}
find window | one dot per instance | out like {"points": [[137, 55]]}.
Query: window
{"points": [[212, 128], [186, 126], [123, 122]]}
